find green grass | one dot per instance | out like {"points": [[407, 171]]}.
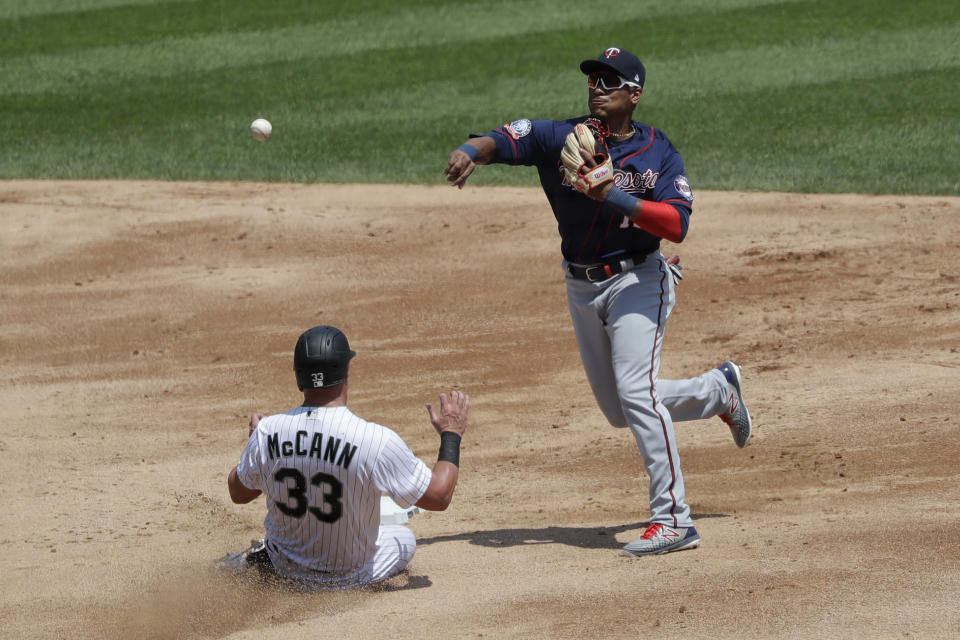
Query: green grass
{"points": [[842, 96]]}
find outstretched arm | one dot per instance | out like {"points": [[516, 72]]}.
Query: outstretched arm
{"points": [[465, 158], [450, 422]]}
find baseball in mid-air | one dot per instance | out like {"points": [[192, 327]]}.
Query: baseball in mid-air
{"points": [[261, 129]]}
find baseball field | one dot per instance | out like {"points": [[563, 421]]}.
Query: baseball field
{"points": [[158, 265]]}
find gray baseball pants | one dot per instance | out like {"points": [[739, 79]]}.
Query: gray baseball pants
{"points": [[619, 325]]}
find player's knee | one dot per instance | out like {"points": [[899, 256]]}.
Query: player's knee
{"points": [[398, 539], [615, 417]]}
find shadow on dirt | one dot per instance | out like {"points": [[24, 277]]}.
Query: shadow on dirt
{"points": [[582, 537]]}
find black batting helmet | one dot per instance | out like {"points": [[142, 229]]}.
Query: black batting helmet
{"points": [[321, 357]]}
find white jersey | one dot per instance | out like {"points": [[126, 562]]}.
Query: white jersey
{"points": [[322, 471]]}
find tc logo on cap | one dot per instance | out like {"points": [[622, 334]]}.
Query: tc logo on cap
{"points": [[612, 52]]}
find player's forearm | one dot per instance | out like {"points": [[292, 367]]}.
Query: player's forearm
{"points": [[439, 493], [239, 493], [659, 218], [481, 150]]}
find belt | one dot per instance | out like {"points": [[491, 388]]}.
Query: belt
{"points": [[605, 270]]}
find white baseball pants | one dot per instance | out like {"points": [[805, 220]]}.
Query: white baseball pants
{"points": [[396, 545]]}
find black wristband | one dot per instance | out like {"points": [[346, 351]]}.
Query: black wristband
{"points": [[449, 448]]}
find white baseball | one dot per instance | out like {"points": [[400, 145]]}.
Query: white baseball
{"points": [[261, 129]]}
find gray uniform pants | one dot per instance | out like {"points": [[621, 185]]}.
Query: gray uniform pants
{"points": [[619, 325]]}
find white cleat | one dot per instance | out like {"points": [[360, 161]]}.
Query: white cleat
{"points": [[736, 416], [659, 538]]}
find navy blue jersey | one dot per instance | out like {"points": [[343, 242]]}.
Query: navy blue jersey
{"points": [[646, 166]]}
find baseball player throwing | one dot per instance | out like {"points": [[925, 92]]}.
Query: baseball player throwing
{"points": [[617, 187], [323, 469]]}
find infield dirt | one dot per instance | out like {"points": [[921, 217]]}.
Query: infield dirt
{"points": [[143, 323]]}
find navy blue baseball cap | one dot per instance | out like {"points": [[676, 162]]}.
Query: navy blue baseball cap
{"points": [[621, 61]]}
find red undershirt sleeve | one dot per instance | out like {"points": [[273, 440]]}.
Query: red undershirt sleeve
{"points": [[662, 220]]}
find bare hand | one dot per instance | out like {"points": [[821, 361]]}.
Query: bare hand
{"points": [[254, 421], [458, 169], [453, 413]]}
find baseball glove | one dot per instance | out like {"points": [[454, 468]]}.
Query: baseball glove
{"points": [[673, 265], [585, 178]]}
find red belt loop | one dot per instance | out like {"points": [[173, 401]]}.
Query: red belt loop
{"points": [[606, 270]]}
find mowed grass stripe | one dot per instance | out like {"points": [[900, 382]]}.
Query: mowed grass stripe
{"points": [[795, 138], [25, 8], [716, 25], [383, 30], [802, 143], [729, 69], [323, 141], [337, 91], [750, 101], [822, 60], [784, 24], [148, 22], [873, 54]]}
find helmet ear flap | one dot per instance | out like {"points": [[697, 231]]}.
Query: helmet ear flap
{"points": [[321, 358]]}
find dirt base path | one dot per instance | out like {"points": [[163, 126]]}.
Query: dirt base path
{"points": [[143, 323]]}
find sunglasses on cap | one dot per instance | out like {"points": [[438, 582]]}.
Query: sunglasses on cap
{"points": [[608, 81]]}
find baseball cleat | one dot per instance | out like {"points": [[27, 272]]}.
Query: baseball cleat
{"points": [[659, 538], [255, 554], [737, 417]]}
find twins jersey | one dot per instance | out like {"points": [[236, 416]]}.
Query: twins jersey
{"points": [[322, 471], [645, 166]]}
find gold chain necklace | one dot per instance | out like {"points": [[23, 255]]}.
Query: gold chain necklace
{"points": [[623, 135]]}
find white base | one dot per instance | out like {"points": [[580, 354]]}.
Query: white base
{"points": [[392, 513]]}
